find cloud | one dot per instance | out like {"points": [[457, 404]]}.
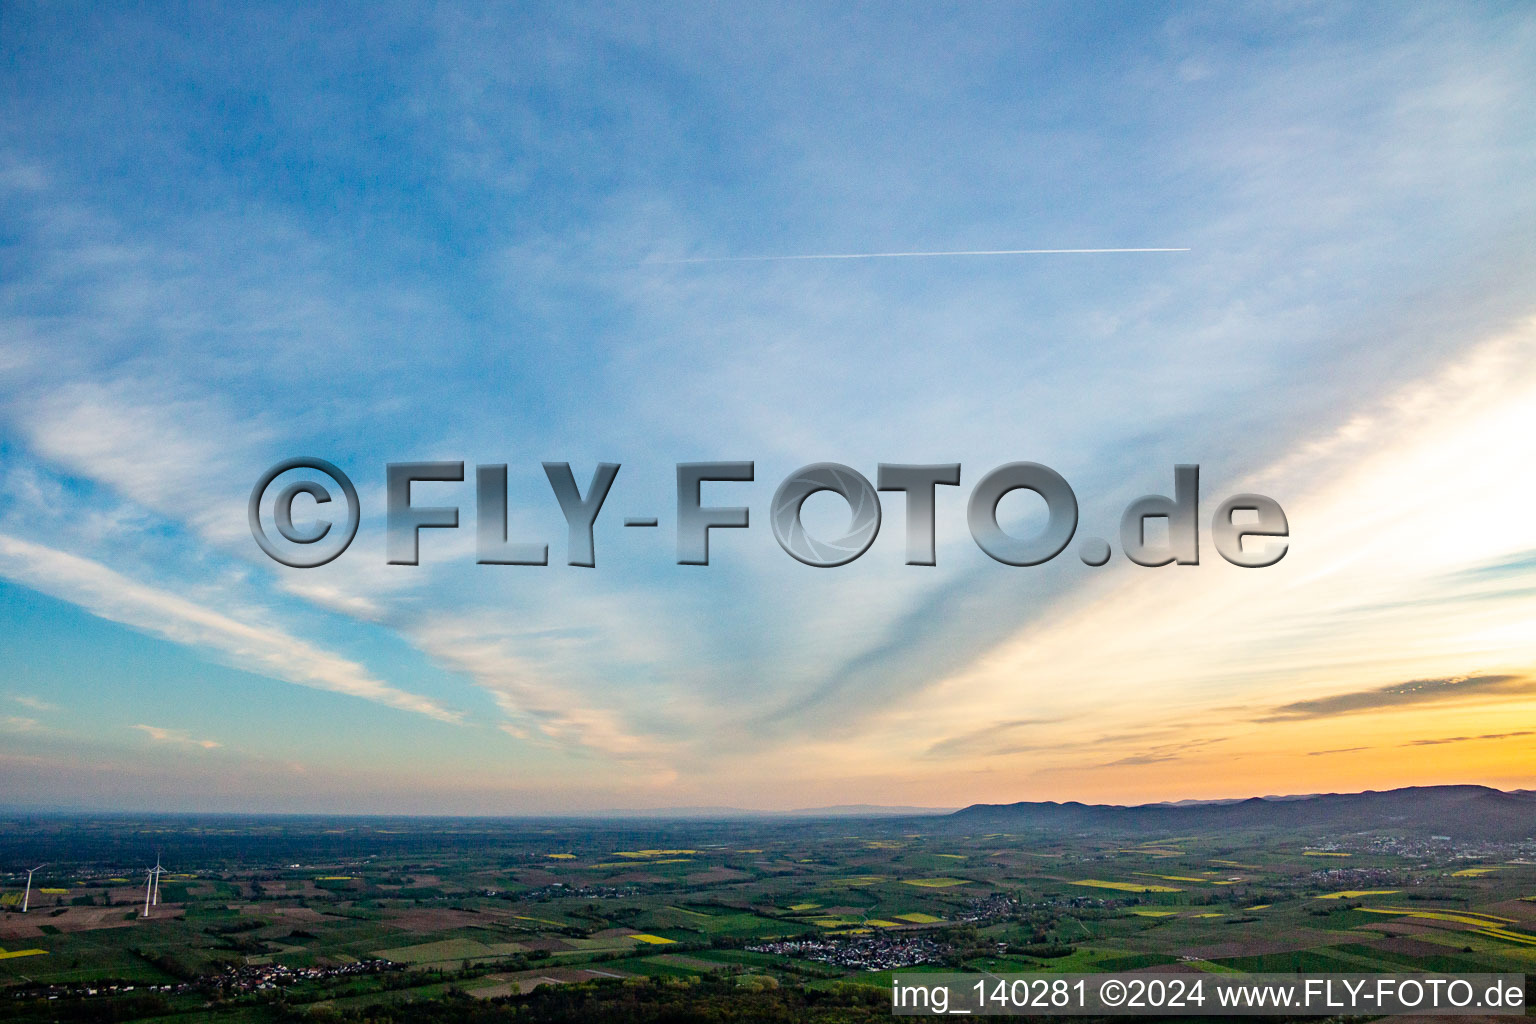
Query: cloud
{"points": [[1471, 739], [32, 702], [262, 649], [179, 737], [19, 723], [1519, 564], [1415, 691], [1136, 759], [992, 740], [162, 454], [538, 709], [1165, 752]]}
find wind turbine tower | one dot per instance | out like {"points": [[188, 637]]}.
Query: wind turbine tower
{"points": [[149, 887], [158, 870], [27, 896]]}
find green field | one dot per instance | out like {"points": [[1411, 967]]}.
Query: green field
{"points": [[410, 912]]}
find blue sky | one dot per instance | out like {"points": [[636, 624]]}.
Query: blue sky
{"points": [[232, 235]]}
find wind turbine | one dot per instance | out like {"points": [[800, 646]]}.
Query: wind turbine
{"points": [[149, 886], [158, 870], [28, 894]]}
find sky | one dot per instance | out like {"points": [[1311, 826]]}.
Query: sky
{"points": [[236, 234]]}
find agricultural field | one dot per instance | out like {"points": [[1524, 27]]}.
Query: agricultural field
{"points": [[295, 919]]}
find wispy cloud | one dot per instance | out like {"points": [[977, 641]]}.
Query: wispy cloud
{"points": [[1415, 691], [1139, 759], [1165, 752], [538, 709], [34, 703], [1471, 739], [175, 737], [996, 739], [267, 649]]}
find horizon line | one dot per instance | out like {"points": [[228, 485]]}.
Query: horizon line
{"points": [[706, 813]]}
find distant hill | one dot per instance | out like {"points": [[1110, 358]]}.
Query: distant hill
{"points": [[1461, 812]]}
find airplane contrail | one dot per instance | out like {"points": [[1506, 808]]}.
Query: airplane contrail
{"points": [[895, 255]]}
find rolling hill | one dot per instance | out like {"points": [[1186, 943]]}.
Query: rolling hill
{"points": [[1461, 812]]}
